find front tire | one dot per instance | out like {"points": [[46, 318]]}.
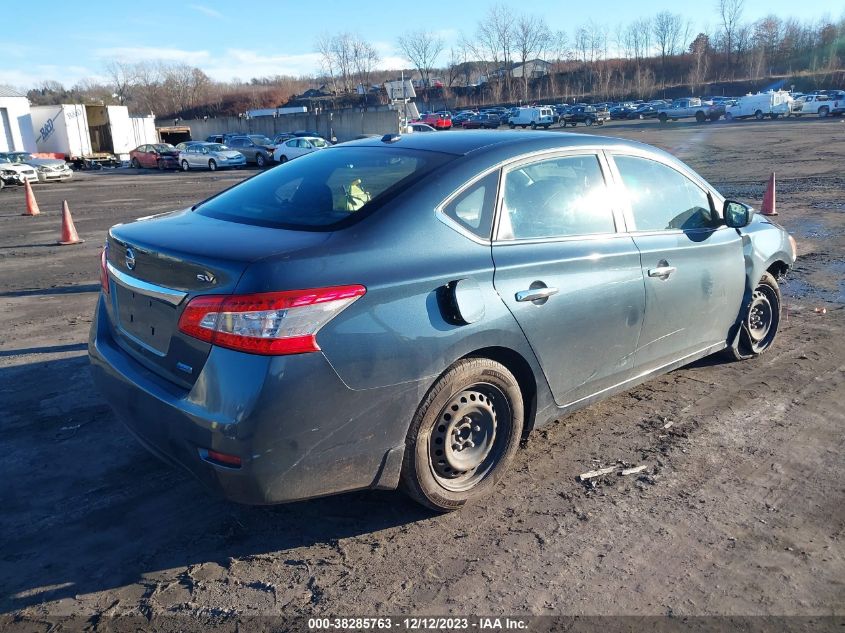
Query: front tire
{"points": [[463, 436], [758, 115], [760, 321], [824, 111], [212, 165], [185, 166], [283, 159], [260, 160]]}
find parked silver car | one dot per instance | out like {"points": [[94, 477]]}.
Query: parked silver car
{"points": [[48, 169], [211, 156]]}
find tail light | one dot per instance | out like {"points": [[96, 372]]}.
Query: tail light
{"points": [[104, 273], [267, 323]]}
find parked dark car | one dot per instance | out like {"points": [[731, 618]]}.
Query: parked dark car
{"points": [[257, 148], [311, 331], [479, 121], [460, 117], [156, 155], [644, 111], [585, 114]]}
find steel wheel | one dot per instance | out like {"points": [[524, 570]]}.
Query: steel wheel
{"points": [[760, 321], [464, 434], [462, 447]]}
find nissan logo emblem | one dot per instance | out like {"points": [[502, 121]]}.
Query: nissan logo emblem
{"points": [[130, 259]]}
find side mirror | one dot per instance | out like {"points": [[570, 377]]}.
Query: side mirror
{"points": [[737, 215]]}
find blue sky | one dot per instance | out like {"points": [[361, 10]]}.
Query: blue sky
{"points": [[71, 41]]}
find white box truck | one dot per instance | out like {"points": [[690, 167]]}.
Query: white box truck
{"points": [[86, 135], [764, 104]]}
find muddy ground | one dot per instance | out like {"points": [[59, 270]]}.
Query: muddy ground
{"points": [[740, 512]]}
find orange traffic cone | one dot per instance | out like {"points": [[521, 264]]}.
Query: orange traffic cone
{"points": [[69, 235], [31, 204], [769, 207]]}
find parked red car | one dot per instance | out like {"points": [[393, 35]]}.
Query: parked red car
{"points": [[437, 121], [159, 155]]}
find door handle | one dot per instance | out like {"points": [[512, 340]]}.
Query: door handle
{"points": [[533, 294], [662, 272]]}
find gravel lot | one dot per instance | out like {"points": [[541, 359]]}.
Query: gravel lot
{"points": [[740, 513]]}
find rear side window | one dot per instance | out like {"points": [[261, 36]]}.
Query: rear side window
{"points": [[324, 190], [473, 207], [662, 198]]}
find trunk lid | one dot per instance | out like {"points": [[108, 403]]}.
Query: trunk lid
{"points": [[158, 264]]}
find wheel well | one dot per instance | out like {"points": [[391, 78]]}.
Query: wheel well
{"points": [[521, 370], [777, 269]]}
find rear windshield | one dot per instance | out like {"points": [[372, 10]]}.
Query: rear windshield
{"points": [[323, 190]]}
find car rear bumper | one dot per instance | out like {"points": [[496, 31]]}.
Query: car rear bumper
{"points": [[299, 430]]}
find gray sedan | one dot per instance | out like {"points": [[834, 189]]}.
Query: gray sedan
{"points": [[401, 312], [211, 156]]}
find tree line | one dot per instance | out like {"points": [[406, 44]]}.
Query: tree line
{"points": [[496, 61]]}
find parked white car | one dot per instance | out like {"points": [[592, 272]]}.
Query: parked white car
{"points": [[16, 173], [211, 156], [418, 127], [298, 147], [46, 169]]}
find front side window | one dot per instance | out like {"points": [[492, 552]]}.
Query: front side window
{"points": [[556, 197], [663, 198]]}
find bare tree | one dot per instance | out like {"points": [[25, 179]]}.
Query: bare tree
{"points": [[364, 59], [493, 46], [531, 39], [422, 49], [667, 29], [123, 78], [730, 12]]}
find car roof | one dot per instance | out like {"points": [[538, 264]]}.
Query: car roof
{"points": [[466, 142]]}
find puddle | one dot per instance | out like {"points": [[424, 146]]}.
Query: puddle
{"points": [[808, 229], [835, 205], [802, 289]]}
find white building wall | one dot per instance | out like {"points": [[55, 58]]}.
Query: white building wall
{"points": [[18, 135]]}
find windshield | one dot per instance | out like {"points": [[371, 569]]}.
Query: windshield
{"points": [[261, 140], [164, 147], [318, 142], [216, 147], [323, 190], [20, 158]]}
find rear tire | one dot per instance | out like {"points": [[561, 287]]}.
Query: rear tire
{"points": [[134, 164], [463, 436], [758, 115], [662, 118], [824, 111], [759, 322], [700, 117], [589, 121], [729, 116]]}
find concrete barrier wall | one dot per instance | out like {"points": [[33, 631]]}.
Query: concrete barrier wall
{"points": [[344, 125]]}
